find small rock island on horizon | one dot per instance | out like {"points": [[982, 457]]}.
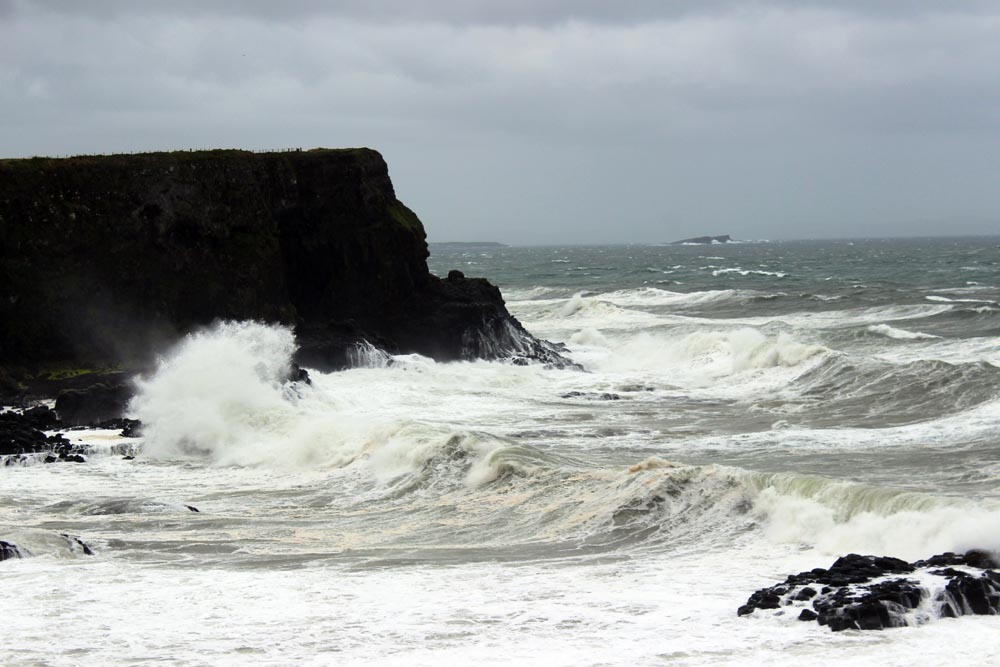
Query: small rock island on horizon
{"points": [[705, 240]]}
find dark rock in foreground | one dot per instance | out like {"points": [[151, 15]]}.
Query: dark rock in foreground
{"points": [[75, 542], [106, 260], [865, 593], [706, 240], [9, 551], [22, 434]]}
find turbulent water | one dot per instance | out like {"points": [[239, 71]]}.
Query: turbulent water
{"points": [[747, 411]]}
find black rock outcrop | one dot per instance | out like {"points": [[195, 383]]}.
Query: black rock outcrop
{"points": [[10, 551], [864, 592], [22, 435], [105, 259]]}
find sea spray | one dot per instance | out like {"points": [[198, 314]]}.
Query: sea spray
{"points": [[218, 391], [222, 395]]}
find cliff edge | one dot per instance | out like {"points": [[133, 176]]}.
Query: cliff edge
{"points": [[105, 259]]}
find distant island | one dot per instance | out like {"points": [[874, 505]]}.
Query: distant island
{"points": [[468, 244], [706, 240]]}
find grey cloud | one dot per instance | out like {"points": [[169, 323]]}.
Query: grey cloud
{"points": [[506, 121], [489, 12]]}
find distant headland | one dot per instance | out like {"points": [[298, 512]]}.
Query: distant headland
{"points": [[468, 244]]}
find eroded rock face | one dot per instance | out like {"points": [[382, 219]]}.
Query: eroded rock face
{"points": [[875, 592], [105, 260]]}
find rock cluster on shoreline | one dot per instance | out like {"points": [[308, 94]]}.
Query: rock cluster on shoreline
{"points": [[875, 592], [23, 433]]}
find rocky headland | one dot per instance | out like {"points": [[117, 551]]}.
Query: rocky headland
{"points": [[106, 260]]}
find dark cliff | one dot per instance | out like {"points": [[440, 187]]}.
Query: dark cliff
{"points": [[104, 259]]}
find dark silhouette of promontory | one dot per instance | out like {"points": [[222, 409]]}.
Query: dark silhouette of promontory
{"points": [[106, 259]]}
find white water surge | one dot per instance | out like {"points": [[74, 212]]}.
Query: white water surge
{"points": [[407, 512]]}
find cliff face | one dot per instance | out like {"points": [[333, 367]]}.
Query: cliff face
{"points": [[103, 259]]}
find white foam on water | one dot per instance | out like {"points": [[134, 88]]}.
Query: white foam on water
{"points": [[511, 294], [580, 311], [651, 296], [376, 509], [975, 424], [899, 334], [735, 360], [839, 319], [748, 272], [837, 517], [954, 351], [944, 299], [621, 311]]}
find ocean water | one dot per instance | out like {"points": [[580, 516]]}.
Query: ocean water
{"points": [[747, 411]]}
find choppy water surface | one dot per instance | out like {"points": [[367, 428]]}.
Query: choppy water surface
{"points": [[748, 411]]}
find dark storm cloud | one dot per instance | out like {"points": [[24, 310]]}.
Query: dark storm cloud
{"points": [[520, 121]]}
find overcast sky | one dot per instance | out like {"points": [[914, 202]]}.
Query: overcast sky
{"points": [[528, 121]]}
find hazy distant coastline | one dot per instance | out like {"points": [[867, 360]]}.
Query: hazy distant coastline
{"points": [[468, 244]]}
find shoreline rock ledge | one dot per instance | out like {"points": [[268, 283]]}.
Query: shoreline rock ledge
{"points": [[105, 260]]}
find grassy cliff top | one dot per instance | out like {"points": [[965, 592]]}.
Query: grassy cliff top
{"points": [[128, 159]]}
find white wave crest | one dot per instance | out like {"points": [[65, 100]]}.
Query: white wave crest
{"points": [[748, 272], [944, 299], [652, 296], [898, 334], [840, 517], [529, 293], [709, 354]]}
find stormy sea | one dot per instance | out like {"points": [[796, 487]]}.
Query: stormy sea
{"points": [[742, 411]]}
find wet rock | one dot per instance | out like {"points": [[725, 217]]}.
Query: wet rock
{"points": [[298, 374], [130, 428], [808, 615], [591, 396], [93, 405], [865, 593], [9, 388], [19, 436], [41, 417], [77, 542], [9, 551]]}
